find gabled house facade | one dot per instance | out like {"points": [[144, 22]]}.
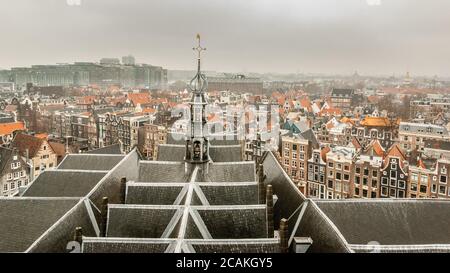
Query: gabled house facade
{"points": [[37, 152], [14, 172], [394, 174]]}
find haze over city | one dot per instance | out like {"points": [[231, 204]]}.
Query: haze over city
{"points": [[284, 36], [225, 127]]}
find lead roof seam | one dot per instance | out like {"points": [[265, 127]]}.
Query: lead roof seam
{"points": [[297, 223], [187, 248], [201, 195], [287, 176], [187, 205], [200, 224], [171, 247], [110, 172], [172, 224], [181, 195], [333, 226], [87, 204]]}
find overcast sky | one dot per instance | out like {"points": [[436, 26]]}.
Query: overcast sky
{"points": [[327, 36]]}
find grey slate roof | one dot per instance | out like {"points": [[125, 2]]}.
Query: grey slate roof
{"points": [[159, 171], [314, 224], [176, 138], [5, 154], [112, 149], [290, 196], [185, 202], [24, 220], [235, 222], [309, 135], [230, 193], [231, 172], [57, 183], [218, 139], [138, 221], [90, 162], [342, 92], [391, 222], [235, 246], [423, 128], [153, 193], [224, 139], [125, 245], [171, 152], [226, 153]]}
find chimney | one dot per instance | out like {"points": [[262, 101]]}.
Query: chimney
{"points": [[261, 187], [78, 237], [27, 154], [103, 216], [284, 233], [269, 211], [123, 189]]}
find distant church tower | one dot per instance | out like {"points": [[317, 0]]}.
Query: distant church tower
{"points": [[197, 143]]}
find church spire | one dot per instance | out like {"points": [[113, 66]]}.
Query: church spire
{"points": [[198, 84], [197, 144]]}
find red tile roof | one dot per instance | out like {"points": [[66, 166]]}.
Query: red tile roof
{"points": [[323, 153], [375, 148], [395, 151], [331, 111], [149, 111], [347, 120], [420, 164], [356, 143], [9, 128], [42, 135], [376, 122], [23, 142], [306, 103], [139, 98], [58, 148]]}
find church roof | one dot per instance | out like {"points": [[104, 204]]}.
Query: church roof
{"points": [[222, 153], [169, 208], [58, 183], [24, 220], [90, 162], [404, 222], [111, 149]]}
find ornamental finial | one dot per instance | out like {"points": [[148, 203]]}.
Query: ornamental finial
{"points": [[199, 48]]}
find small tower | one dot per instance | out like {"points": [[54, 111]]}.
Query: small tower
{"points": [[197, 143]]}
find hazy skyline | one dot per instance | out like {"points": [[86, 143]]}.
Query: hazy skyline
{"points": [[285, 36]]}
